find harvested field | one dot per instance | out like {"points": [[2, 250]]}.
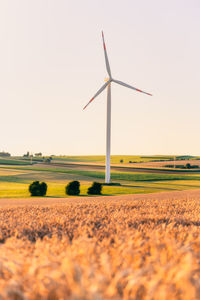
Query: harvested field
{"points": [[162, 164], [122, 247]]}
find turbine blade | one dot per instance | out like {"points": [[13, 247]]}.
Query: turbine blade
{"points": [[131, 87], [97, 93], [106, 56]]}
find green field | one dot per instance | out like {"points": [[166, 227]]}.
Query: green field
{"points": [[11, 161], [16, 173], [115, 159]]}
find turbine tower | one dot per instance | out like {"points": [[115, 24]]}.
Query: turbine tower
{"points": [[108, 127]]}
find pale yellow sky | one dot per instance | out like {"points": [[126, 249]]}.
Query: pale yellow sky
{"points": [[52, 63]]}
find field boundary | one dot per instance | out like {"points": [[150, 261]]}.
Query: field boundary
{"points": [[46, 201]]}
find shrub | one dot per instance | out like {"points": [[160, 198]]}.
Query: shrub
{"points": [[95, 189], [47, 160], [73, 188], [38, 189]]}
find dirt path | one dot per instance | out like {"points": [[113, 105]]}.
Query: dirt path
{"points": [[94, 200]]}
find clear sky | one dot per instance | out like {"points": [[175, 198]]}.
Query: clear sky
{"points": [[52, 63]]}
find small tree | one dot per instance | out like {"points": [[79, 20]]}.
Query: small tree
{"points": [[95, 189], [38, 189], [188, 166], [73, 188], [47, 160]]}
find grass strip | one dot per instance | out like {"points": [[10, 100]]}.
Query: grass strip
{"points": [[115, 175]]}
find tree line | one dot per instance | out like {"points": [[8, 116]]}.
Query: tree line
{"points": [[37, 188]]}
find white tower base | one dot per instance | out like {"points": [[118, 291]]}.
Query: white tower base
{"points": [[108, 134]]}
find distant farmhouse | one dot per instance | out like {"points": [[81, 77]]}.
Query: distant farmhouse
{"points": [[38, 154], [4, 154]]}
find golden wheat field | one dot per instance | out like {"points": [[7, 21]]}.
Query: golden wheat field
{"points": [[124, 247]]}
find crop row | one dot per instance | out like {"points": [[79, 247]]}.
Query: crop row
{"points": [[99, 249]]}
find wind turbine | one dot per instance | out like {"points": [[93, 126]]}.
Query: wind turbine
{"points": [[108, 129]]}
